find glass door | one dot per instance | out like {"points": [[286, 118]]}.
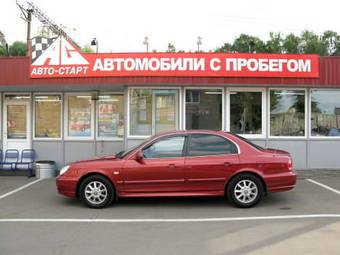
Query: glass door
{"points": [[16, 125], [165, 110]]}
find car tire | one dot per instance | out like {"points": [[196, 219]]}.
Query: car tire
{"points": [[245, 190], [96, 191]]}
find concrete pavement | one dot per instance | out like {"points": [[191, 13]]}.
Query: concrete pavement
{"points": [[265, 236]]}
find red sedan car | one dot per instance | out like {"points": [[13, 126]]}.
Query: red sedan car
{"points": [[182, 163]]}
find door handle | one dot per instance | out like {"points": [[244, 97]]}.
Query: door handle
{"points": [[172, 166], [227, 163]]}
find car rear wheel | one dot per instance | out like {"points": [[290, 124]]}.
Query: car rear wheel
{"points": [[245, 190], [96, 191]]}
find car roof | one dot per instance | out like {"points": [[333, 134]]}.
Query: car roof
{"points": [[191, 131]]}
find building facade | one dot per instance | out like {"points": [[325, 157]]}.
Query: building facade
{"points": [[69, 119]]}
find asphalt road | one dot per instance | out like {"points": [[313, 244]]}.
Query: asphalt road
{"points": [[209, 225]]}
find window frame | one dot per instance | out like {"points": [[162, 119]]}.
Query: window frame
{"points": [[66, 118], [223, 91], [178, 106], [306, 113], [105, 138], [61, 116], [311, 137], [185, 136], [212, 155], [263, 111]]}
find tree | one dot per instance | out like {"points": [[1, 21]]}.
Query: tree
{"points": [[246, 43], [17, 49], [226, 47], [274, 44], [87, 49], [291, 44], [171, 48], [2, 51], [312, 44], [332, 41]]}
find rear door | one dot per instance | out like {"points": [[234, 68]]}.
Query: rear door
{"points": [[162, 169], [210, 160]]}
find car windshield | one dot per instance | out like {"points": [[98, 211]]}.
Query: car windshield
{"points": [[124, 153], [249, 142]]}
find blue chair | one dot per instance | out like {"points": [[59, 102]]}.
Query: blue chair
{"points": [[27, 160], [11, 158]]}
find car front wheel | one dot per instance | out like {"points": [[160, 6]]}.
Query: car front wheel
{"points": [[96, 191], [245, 190]]}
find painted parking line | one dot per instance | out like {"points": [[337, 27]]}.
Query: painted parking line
{"points": [[324, 186], [188, 220], [20, 188]]}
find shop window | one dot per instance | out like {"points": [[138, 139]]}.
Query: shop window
{"points": [[287, 113], [246, 116], [153, 111], [111, 116], [325, 113], [203, 109], [47, 116], [79, 124]]}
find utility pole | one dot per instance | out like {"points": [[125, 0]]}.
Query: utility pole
{"points": [[146, 43], [199, 43], [32, 9], [27, 16]]}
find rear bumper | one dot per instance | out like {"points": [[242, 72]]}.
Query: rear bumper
{"points": [[281, 182], [67, 186]]}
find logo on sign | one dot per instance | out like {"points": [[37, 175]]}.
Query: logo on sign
{"points": [[60, 59], [60, 52]]}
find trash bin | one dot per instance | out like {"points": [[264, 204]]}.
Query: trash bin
{"points": [[45, 169]]}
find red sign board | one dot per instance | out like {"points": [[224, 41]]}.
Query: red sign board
{"points": [[62, 59]]}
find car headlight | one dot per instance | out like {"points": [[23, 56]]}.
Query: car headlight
{"points": [[64, 170]]}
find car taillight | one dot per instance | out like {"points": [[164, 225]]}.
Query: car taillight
{"points": [[290, 164]]}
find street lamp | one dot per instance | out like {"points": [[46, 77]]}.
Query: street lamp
{"points": [[94, 42], [199, 43], [146, 43]]}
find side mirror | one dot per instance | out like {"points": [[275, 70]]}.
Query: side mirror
{"points": [[139, 157]]}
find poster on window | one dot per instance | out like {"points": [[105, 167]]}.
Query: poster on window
{"points": [[80, 121], [109, 123]]}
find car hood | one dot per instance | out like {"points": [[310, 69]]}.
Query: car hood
{"points": [[103, 158]]}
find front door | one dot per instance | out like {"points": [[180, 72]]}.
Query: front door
{"points": [[17, 126], [161, 171]]}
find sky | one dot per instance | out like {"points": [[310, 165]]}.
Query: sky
{"points": [[121, 25]]}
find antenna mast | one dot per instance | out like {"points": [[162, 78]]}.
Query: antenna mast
{"points": [[44, 19]]}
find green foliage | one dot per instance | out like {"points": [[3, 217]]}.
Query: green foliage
{"points": [[308, 42], [87, 49], [17, 49], [171, 48], [312, 43], [246, 43], [2, 51], [275, 43], [226, 47], [291, 44]]}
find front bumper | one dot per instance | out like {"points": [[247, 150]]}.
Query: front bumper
{"points": [[67, 186], [281, 182]]}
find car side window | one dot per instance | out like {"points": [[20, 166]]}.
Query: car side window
{"points": [[205, 144], [170, 147]]}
